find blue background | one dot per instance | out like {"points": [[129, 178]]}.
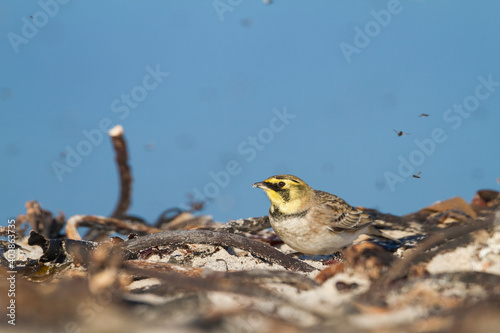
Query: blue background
{"points": [[229, 68]]}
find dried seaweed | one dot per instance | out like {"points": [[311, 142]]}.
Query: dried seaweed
{"points": [[120, 146], [401, 268], [41, 220], [179, 237], [296, 280], [60, 250], [250, 225], [176, 280], [219, 282], [106, 224], [182, 220]]}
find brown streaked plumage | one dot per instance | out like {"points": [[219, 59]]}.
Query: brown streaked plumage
{"points": [[311, 221]]}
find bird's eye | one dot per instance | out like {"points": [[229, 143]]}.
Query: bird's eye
{"points": [[281, 184]]}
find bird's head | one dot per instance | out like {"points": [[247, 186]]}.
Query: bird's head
{"points": [[288, 194]]}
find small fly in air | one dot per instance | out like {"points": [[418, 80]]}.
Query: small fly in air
{"points": [[194, 204], [424, 115], [417, 175], [401, 133]]}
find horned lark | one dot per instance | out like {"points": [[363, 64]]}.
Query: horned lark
{"points": [[311, 221]]}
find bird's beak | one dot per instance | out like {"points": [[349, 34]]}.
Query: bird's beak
{"points": [[261, 185]]}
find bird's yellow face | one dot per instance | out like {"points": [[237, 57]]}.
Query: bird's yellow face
{"points": [[287, 193]]}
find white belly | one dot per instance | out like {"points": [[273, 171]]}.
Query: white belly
{"points": [[299, 235]]}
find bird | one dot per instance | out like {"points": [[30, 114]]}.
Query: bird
{"points": [[314, 222]]}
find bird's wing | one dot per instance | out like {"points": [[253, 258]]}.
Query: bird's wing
{"points": [[338, 215]]}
